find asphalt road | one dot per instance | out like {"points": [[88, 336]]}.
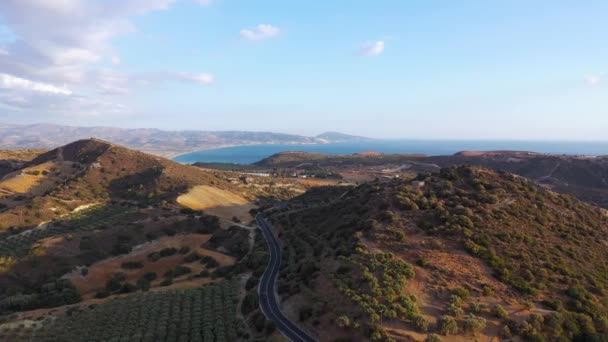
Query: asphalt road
{"points": [[267, 289]]}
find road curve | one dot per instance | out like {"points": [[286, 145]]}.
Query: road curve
{"points": [[267, 289]]}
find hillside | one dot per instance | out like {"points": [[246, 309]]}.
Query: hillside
{"points": [[583, 177], [11, 160], [155, 141], [88, 171], [88, 228], [295, 159], [465, 252]]}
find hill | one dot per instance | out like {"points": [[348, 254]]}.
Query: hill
{"points": [[11, 160], [89, 171], [154, 141], [584, 177], [293, 159], [87, 228], [465, 252]]}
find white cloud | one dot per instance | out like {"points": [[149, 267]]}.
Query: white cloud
{"points": [[593, 80], [372, 49], [260, 32], [200, 78], [63, 42], [109, 82], [3, 52], [11, 82]]}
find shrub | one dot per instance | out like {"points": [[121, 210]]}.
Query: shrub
{"points": [[102, 294], [421, 324], [191, 257], [477, 307], [505, 332], [446, 325], [500, 312], [181, 270], [154, 256], [131, 265], [150, 276], [454, 310], [209, 261], [169, 251], [343, 321], [473, 323], [432, 338], [462, 293]]}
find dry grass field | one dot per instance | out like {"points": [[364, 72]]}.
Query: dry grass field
{"points": [[218, 202]]}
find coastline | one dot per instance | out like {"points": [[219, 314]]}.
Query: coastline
{"points": [[175, 155]]}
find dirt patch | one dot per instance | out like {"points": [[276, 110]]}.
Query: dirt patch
{"points": [[218, 202], [36, 180], [101, 272]]}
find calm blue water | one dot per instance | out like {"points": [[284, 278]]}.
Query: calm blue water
{"points": [[253, 153]]}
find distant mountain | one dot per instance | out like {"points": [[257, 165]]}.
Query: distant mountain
{"points": [[155, 141], [340, 137]]}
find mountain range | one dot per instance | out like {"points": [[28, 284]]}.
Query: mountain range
{"points": [[151, 140]]}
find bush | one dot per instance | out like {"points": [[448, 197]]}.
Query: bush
{"points": [[131, 265], [209, 261], [169, 251], [473, 324], [154, 256], [343, 321], [166, 282], [421, 324], [455, 310], [500, 312], [446, 325], [192, 257], [432, 338], [102, 294], [181, 270], [150, 276], [462, 293], [477, 307]]}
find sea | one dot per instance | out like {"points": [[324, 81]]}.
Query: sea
{"points": [[251, 153]]}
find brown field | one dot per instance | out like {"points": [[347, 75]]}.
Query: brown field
{"points": [[218, 202], [101, 272], [23, 181]]}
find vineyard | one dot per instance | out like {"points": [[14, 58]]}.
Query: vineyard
{"points": [[200, 314], [96, 217]]}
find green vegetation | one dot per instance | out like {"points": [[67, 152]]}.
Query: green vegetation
{"points": [[51, 294], [545, 246], [92, 218], [201, 314]]}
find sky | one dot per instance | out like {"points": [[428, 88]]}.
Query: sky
{"points": [[419, 69]]}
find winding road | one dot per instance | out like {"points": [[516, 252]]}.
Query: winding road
{"points": [[267, 289]]}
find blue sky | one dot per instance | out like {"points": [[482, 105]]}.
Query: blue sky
{"points": [[397, 69]]}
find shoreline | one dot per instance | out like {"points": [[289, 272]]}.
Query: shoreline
{"points": [[173, 156]]}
